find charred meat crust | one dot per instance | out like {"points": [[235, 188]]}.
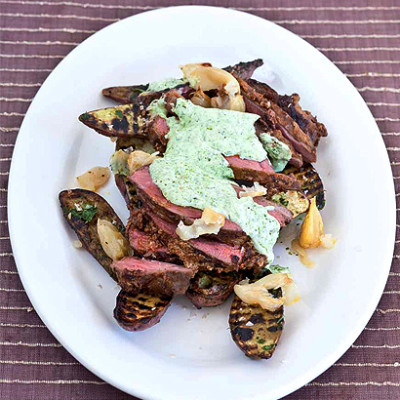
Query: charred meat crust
{"points": [[209, 289], [311, 183], [137, 312], [245, 70], [307, 122], [277, 119], [87, 231]]}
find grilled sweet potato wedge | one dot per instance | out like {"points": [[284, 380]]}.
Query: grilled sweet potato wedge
{"points": [[255, 331], [119, 121], [124, 94], [137, 312], [211, 289], [129, 94], [295, 201], [82, 208], [311, 183]]}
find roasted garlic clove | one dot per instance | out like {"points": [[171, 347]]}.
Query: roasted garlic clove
{"points": [[257, 293], [94, 179], [113, 242], [312, 228]]}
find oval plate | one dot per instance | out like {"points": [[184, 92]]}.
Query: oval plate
{"points": [[190, 354]]}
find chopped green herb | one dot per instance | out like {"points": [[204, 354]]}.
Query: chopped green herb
{"points": [[119, 114], [268, 347], [284, 202], [205, 282], [261, 341], [85, 116], [280, 320], [86, 214], [279, 269]]}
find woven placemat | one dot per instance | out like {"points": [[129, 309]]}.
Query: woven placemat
{"points": [[362, 38]]}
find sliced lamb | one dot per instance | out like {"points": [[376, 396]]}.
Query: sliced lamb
{"points": [[135, 274], [150, 194], [290, 104], [278, 119], [263, 173], [204, 254], [148, 246], [226, 254]]}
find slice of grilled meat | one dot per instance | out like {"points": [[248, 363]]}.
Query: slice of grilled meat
{"points": [[208, 289], [311, 183], [255, 331], [82, 208], [137, 312], [277, 119], [138, 274]]}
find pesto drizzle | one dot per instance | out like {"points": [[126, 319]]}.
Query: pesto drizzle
{"points": [[164, 84]]}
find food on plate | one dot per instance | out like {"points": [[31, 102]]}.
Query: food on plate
{"points": [[256, 330], [94, 179], [212, 166], [140, 311], [82, 210]]}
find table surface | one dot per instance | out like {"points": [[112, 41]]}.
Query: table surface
{"points": [[361, 37]]}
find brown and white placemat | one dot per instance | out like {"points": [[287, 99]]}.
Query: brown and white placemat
{"points": [[361, 37]]}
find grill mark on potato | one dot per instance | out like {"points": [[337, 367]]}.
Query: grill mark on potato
{"points": [[311, 183]]}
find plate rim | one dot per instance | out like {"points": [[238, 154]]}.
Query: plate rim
{"points": [[304, 378]]}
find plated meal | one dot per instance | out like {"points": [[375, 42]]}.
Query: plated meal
{"points": [[212, 166]]}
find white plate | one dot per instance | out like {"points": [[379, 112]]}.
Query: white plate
{"points": [[190, 354]]}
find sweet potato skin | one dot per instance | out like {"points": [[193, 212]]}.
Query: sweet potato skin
{"points": [[254, 330], [210, 290], [310, 181], [87, 231], [137, 312]]}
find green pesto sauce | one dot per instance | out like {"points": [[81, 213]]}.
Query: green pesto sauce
{"points": [[279, 153], [164, 84], [193, 171]]}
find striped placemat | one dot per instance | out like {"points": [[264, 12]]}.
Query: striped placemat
{"points": [[361, 37]]}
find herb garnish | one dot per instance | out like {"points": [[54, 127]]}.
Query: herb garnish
{"points": [[86, 214], [268, 347], [85, 116], [119, 114]]}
